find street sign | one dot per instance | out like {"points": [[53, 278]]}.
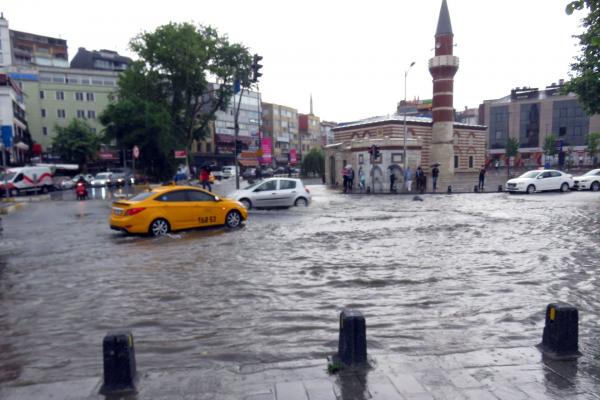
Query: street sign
{"points": [[136, 152], [180, 154]]}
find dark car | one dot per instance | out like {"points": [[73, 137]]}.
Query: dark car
{"points": [[266, 172], [249, 173]]}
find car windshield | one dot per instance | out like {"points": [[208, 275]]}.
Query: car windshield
{"points": [[102, 175], [7, 176], [142, 196], [530, 174], [253, 185], [592, 172]]}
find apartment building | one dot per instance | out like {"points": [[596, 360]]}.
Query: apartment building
{"points": [[280, 123], [309, 127]]}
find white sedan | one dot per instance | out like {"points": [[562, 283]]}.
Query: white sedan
{"points": [[273, 192], [540, 180], [590, 180]]}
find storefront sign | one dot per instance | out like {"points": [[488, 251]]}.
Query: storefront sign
{"points": [[293, 156], [267, 157], [180, 154]]}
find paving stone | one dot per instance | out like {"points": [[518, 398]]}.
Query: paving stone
{"points": [[447, 393], [508, 393], [290, 391], [380, 387], [350, 387], [479, 394], [407, 384], [463, 379], [319, 389]]}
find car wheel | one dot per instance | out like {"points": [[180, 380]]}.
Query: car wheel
{"points": [[301, 202], [14, 192], [246, 203], [595, 186], [233, 219], [564, 187], [159, 227], [44, 189], [530, 189]]}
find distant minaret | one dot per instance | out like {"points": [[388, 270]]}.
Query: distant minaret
{"points": [[442, 68], [311, 106]]}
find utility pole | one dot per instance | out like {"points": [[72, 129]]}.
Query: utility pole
{"points": [[404, 155]]}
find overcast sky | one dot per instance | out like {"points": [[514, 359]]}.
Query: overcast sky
{"points": [[351, 55]]}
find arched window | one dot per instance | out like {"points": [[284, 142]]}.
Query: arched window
{"points": [[470, 161]]}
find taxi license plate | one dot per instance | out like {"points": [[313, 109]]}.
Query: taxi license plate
{"points": [[117, 211]]}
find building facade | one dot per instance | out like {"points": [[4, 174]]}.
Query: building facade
{"points": [[531, 115], [54, 96], [327, 132], [309, 133], [106, 60], [28, 49], [280, 123], [12, 120]]}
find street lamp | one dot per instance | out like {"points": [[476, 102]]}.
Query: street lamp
{"points": [[405, 75]]}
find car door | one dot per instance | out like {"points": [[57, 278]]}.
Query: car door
{"points": [[265, 194], [545, 181], [176, 208], [287, 192], [206, 209]]}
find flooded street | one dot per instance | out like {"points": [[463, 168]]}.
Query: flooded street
{"points": [[448, 274]]}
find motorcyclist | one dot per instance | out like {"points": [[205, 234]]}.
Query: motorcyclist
{"points": [[80, 189]]}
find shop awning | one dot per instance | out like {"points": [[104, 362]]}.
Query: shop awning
{"points": [[248, 163], [224, 138]]}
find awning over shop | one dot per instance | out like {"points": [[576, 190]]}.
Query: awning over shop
{"points": [[224, 138], [248, 163]]}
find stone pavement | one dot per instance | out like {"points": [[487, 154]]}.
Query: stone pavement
{"points": [[504, 374]]}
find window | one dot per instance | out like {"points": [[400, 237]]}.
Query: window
{"points": [[286, 184], [455, 161], [79, 96], [91, 114], [44, 131], [470, 161], [529, 125], [80, 114], [43, 110], [270, 185], [89, 96], [196, 195], [570, 122], [61, 113], [499, 127], [42, 94], [178, 195], [60, 95]]}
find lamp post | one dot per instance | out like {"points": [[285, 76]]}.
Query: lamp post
{"points": [[404, 147]]}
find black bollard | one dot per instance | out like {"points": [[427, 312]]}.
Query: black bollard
{"points": [[449, 189], [119, 362], [352, 346], [476, 189], [499, 188], [561, 332]]}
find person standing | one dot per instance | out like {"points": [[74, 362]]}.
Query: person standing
{"points": [[419, 178], [361, 180], [481, 178], [205, 178], [392, 180], [434, 176], [350, 179], [345, 178], [408, 178]]}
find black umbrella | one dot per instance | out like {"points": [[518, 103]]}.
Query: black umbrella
{"points": [[437, 164]]}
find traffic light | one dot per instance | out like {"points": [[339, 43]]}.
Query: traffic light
{"points": [[376, 152], [256, 68]]}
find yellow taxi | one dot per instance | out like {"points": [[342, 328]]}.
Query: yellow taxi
{"points": [[171, 208]]}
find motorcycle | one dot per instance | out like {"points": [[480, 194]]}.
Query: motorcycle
{"points": [[81, 191]]}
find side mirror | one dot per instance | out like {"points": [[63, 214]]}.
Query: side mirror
{"points": [[217, 198], [540, 177]]}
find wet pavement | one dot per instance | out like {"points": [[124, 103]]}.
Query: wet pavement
{"points": [[453, 288]]}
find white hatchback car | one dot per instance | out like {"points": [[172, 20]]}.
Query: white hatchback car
{"points": [[590, 180], [540, 180], [273, 192]]}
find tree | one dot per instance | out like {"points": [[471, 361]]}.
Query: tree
{"points": [[134, 122], [585, 81], [512, 149], [314, 162], [593, 145], [76, 143], [185, 74], [550, 145]]}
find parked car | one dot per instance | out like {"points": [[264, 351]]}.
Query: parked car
{"points": [[216, 171], [171, 208], [273, 192], [588, 181], [249, 173], [540, 180], [266, 172], [229, 171], [102, 179], [280, 171], [69, 183], [122, 179]]}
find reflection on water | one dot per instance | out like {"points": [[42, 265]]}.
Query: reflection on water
{"points": [[451, 273]]}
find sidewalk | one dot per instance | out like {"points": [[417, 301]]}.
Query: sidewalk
{"points": [[510, 373]]}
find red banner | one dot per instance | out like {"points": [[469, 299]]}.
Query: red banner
{"points": [[108, 155], [180, 154], [267, 157], [293, 156]]}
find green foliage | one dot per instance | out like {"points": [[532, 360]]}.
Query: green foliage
{"points": [[76, 142], [593, 143], [184, 74], [550, 145], [314, 162], [512, 147], [132, 122], [585, 81]]}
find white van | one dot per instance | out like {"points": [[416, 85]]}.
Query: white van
{"points": [[26, 179], [229, 171]]}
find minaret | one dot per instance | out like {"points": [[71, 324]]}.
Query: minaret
{"points": [[311, 106], [5, 50], [442, 68]]}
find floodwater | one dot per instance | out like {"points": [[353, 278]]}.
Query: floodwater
{"points": [[447, 274]]}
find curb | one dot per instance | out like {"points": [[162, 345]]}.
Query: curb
{"points": [[10, 208]]}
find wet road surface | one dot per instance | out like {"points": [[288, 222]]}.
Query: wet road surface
{"points": [[449, 274]]}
